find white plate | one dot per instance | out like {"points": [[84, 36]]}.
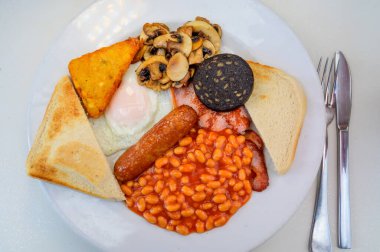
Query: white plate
{"points": [[250, 30]]}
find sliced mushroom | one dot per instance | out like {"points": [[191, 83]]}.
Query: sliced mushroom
{"points": [[155, 73], [162, 67], [155, 29], [143, 71], [166, 85], [197, 42], [139, 54], [196, 56], [151, 31], [144, 38], [143, 76], [162, 41], [185, 80], [177, 84], [186, 29], [198, 18], [168, 55], [182, 83], [150, 52], [184, 46], [164, 26], [218, 29], [177, 67], [153, 84], [165, 79], [208, 31], [208, 49], [161, 52], [192, 72]]}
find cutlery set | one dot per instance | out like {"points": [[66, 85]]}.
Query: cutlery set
{"points": [[335, 79]]}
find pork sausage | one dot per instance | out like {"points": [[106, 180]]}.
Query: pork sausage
{"points": [[153, 144]]}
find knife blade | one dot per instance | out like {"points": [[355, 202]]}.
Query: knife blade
{"points": [[343, 94], [342, 91]]}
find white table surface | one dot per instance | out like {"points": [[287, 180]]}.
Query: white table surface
{"points": [[27, 28]]}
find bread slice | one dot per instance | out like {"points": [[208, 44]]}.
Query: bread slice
{"points": [[65, 150], [277, 107], [98, 74]]}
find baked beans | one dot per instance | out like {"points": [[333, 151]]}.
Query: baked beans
{"points": [[197, 185]]}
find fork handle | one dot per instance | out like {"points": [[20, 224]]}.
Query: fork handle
{"points": [[320, 240], [344, 220]]}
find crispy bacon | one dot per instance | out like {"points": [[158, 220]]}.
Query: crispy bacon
{"points": [[237, 120], [261, 180]]}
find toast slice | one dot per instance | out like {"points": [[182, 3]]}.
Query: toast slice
{"points": [[277, 107], [98, 74], [65, 150]]}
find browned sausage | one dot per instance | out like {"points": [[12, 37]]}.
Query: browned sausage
{"points": [[261, 179], [153, 144]]}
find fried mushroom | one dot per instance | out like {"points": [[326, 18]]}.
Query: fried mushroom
{"points": [[197, 42], [151, 31], [166, 85], [178, 67], [218, 29], [196, 56], [162, 41], [183, 82], [165, 79], [154, 85], [198, 18], [208, 49], [155, 73], [184, 46], [139, 55], [207, 30], [152, 51], [186, 29], [174, 42], [170, 57], [150, 70]]}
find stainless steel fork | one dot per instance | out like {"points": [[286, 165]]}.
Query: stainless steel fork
{"points": [[320, 239]]}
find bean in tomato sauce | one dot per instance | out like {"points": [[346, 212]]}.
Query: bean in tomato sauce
{"points": [[197, 185]]}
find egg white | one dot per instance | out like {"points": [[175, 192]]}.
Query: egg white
{"points": [[113, 136], [141, 102]]}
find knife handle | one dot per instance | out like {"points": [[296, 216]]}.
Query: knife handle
{"points": [[344, 220]]}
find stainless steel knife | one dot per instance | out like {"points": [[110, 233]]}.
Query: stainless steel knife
{"points": [[343, 113]]}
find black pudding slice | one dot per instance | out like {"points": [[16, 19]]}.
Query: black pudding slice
{"points": [[223, 82]]}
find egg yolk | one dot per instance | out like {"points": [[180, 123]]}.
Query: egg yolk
{"points": [[131, 108]]}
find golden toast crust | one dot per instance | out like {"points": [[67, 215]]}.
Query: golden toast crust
{"points": [[65, 150], [281, 145]]}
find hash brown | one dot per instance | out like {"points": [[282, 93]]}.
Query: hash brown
{"points": [[98, 74]]}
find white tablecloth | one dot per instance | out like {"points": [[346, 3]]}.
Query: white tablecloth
{"points": [[27, 28]]}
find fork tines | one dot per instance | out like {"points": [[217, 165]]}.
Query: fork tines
{"points": [[328, 85]]}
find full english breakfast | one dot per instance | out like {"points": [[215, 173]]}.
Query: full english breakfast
{"points": [[178, 116]]}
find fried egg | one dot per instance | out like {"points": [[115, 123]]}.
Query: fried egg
{"points": [[133, 110]]}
